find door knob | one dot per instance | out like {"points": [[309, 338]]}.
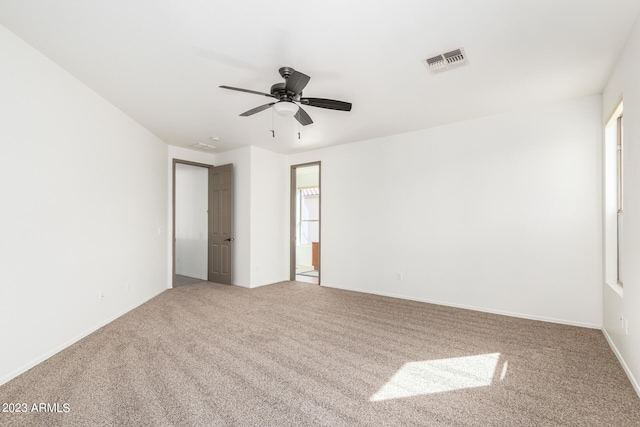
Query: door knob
{"points": [[229, 239]]}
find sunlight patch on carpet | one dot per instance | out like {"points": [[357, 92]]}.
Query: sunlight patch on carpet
{"points": [[437, 376]]}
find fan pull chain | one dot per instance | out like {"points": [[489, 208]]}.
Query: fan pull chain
{"points": [[273, 123]]}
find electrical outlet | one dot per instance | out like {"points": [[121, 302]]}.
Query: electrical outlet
{"points": [[399, 276], [101, 295], [127, 286]]}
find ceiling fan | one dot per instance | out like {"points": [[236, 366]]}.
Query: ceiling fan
{"points": [[289, 95]]}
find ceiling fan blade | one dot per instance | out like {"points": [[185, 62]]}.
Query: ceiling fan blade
{"points": [[296, 82], [331, 104], [248, 91], [257, 109], [302, 117]]}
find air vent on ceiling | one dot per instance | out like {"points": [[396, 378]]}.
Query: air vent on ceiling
{"points": [[446, 61], [201, 146]]}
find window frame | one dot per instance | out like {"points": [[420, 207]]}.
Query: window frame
{"points": [[613, 197]]}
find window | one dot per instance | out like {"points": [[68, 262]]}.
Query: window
{"points": [[619, 193], [308, 226], [614, 198]]}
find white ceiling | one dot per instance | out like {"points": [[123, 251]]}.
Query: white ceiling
{"points": [[161, 62]]}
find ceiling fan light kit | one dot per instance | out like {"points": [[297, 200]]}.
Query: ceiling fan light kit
{"points": [[289, 96], [285, 108]]}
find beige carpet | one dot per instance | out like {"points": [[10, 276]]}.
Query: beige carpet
{"points": [[294, 354], [181, 280]]}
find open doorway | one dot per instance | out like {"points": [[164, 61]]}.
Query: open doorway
{"points": [[305, 223], [190, 223], [202, 223]]}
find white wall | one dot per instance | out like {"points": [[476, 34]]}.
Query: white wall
{"points": [[304, 255], [84, 209], [269, 218], [624, 82], [501, 214], [191, 210]]}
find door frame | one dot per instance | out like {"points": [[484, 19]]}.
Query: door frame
{"points": [[173, 214], [292, 218]]}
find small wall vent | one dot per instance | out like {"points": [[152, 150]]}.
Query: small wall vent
{"points": [[446, 61]]}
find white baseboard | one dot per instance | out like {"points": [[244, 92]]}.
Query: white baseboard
{"points": [[242, 285], [72, 341], [627, 371], [469, 307]]}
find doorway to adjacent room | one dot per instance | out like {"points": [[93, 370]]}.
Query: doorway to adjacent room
{"points": [[202, 223], [305, 223]]}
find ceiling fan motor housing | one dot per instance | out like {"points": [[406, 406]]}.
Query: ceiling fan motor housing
{"points": [[279, 91], [286, 72]]}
